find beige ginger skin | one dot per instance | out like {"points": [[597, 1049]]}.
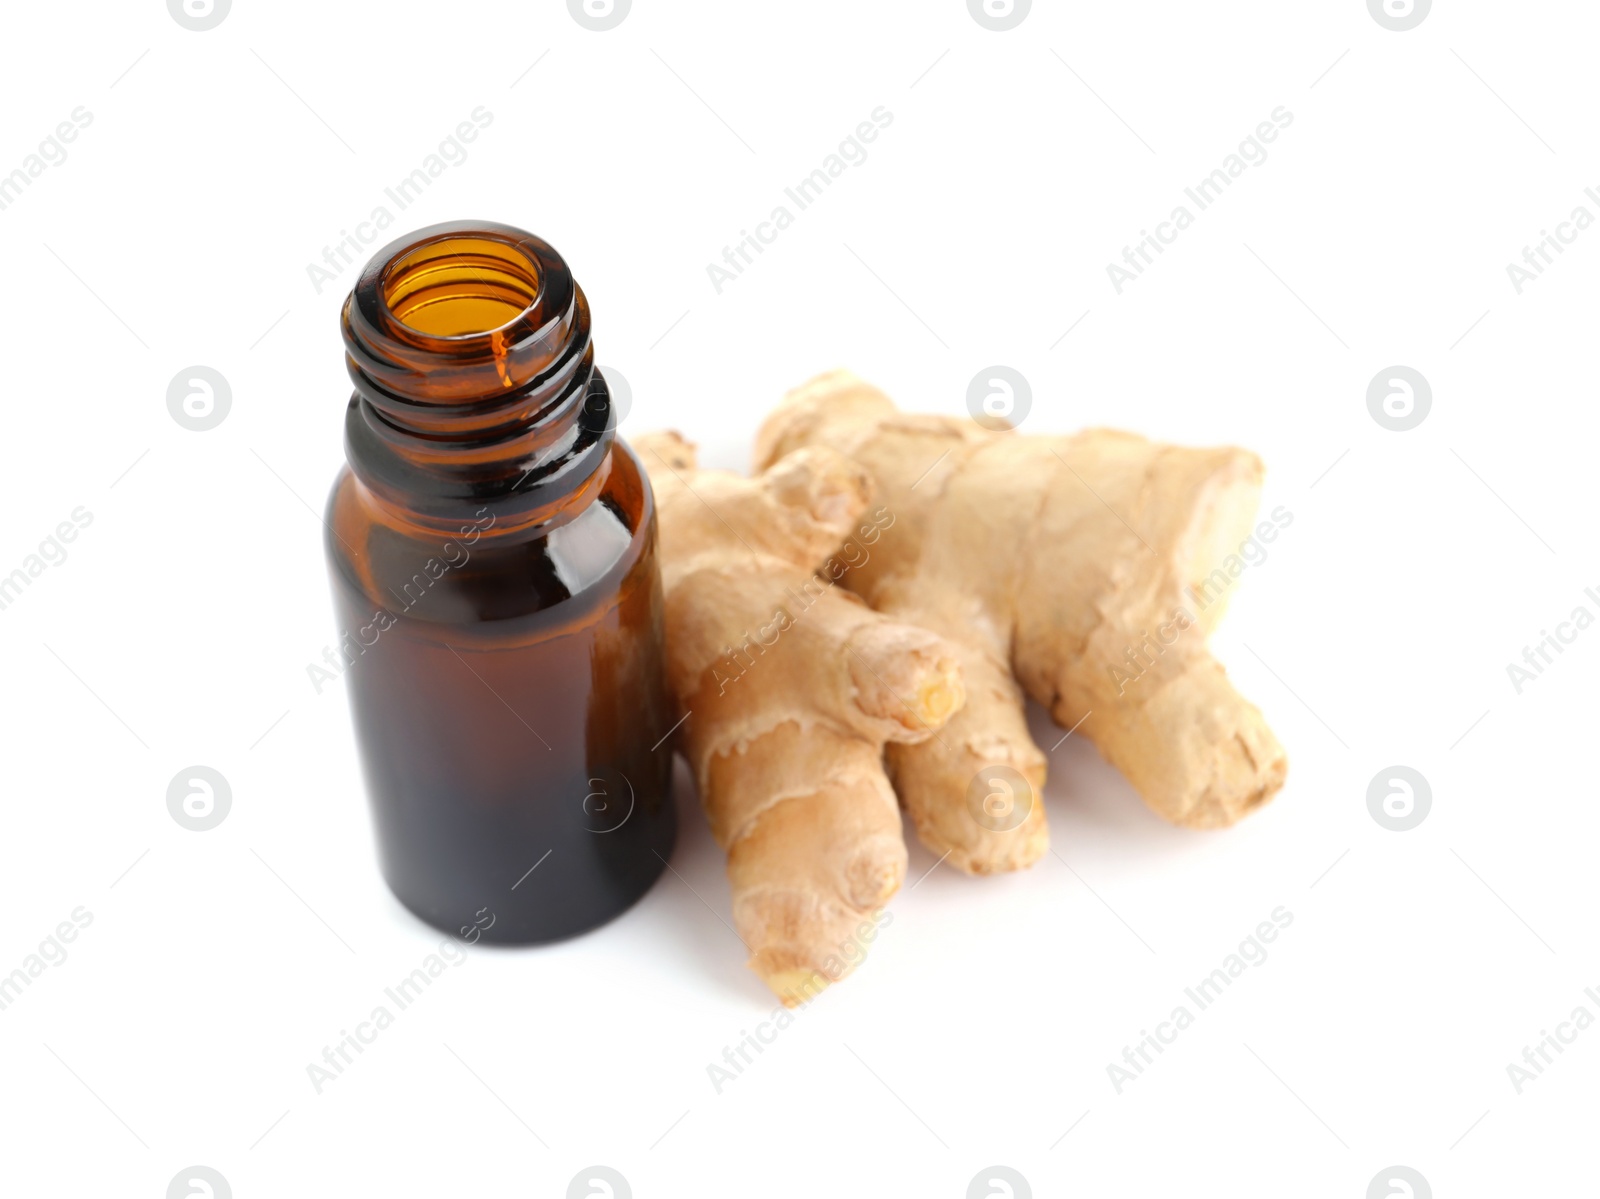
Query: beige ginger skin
{"points": [[1071, 569], [790, 687]]}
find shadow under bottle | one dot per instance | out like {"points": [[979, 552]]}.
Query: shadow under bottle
{"points": [[492, 546]]}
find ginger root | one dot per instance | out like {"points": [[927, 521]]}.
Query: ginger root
{"points": [[1079, 570], [790, 686]]}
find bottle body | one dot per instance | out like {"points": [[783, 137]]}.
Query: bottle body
{"points": [[492, 551]]}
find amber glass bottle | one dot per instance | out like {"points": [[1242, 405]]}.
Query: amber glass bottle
{"points": [[492, 546]]}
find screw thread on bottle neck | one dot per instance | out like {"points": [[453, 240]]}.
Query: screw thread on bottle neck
{"points": [[475, 387]]}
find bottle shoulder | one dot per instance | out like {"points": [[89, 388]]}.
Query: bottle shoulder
{"points": [[478, 574]]}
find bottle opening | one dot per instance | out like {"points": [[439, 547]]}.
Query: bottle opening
{"points": [[461, 286]]}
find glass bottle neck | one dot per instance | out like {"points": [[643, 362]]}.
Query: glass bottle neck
{"points": [[475, 386]]}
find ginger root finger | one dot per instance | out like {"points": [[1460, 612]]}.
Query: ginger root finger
{"points": [[1161, 707], [790, 686], [1081, 565]]}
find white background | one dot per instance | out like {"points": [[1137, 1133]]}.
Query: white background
{"points": [[178, 630]]}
